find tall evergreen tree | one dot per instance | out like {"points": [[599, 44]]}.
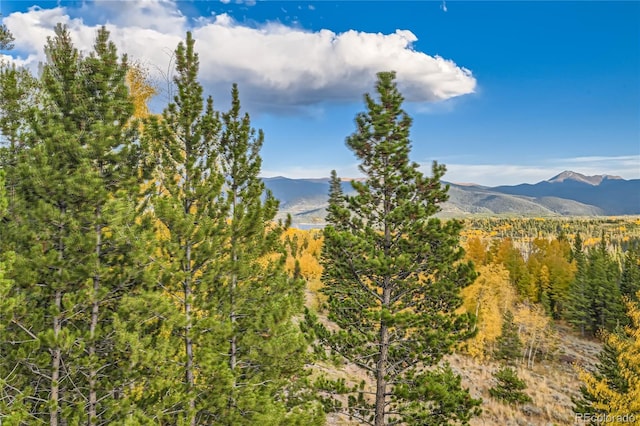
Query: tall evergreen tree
{"points": [[266, 349], [17, 99], [607, 370], [607, 310], [188, 210], [614, 389], [577, 302], [630, 278], [113, 177], [77, 178], [392, 274], [594, 300], [46, 242], [508, 347], [335, 210], [13, 399]]}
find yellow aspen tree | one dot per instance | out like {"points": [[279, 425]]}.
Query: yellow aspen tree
{"points": [[476, 250], [535, 331], [141, 90], [488, 298]]}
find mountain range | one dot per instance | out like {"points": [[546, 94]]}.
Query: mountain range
{"points": [[567, 194]]}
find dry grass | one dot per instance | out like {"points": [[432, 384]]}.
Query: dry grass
{"points": [[313, 298], [550, 389], [551, 384]]}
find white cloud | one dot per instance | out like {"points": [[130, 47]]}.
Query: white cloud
{"points": [[159, 15], [314, 171], [128, 30], [632, 161], [496, 174], [276, 66]]}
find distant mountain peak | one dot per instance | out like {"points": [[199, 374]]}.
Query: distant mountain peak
{"points": [[578, 177]]}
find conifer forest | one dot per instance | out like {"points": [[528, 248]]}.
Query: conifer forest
{"points": [[145, 278]]}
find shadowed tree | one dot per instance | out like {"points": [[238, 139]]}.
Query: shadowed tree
{"points": [[630, 278]]}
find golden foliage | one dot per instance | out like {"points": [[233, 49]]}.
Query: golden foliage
{"points": [[476, 250], [305, 248], [141, 89], [536, 331], [488, 298], [615, 403]]}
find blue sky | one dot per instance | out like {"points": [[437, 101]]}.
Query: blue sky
{"points": [[501, 92]]}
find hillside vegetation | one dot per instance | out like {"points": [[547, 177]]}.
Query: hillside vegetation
{"points": [[146, 279], [552, 348]]}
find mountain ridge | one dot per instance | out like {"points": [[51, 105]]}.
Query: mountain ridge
{"points": [[579, 177], [566, 194]]}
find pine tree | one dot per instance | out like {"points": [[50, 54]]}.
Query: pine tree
{"points": [[630, 278], [607, 370], [509, 387], [113, 180], [614, 389], [187, 209], [77, 180], [18, 90], [607, 310], [578, 297], [37, 229], [335, 211], [594, 300], [6, 38], [508, 346], [267, 351], [392, 274], [13, 399]]}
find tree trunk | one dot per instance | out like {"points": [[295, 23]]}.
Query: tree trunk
{"points": [[381, 367], [93, 397], [56, 355], [188, 341], [531, 350], [233, 283], [383, 360], [56, 352]]}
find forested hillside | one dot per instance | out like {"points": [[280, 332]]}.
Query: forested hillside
{"points": [[146, 280], [544, 303]]}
